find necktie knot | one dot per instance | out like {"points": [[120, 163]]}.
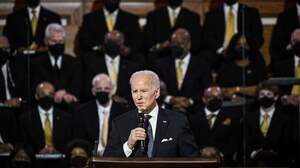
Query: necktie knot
{"points": [[210, 116], [33, 11]]}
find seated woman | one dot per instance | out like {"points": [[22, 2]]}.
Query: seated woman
{"points": [[78, 153], [243, 69]]}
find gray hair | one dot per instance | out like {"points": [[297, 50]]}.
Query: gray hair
{"points": [[54, 27], [155, 82], [101, 76], [295, 37]]}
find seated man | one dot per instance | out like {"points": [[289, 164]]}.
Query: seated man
{"points": [[149, 130], [93, 119], [185, 75], [45, 128], [62, 70], [268, 131], [215, 127]]}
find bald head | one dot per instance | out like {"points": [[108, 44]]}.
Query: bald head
{"points": [[213, 98], [113, 42], [181, 38], [295, 37], [114, 36], [45, 89]]}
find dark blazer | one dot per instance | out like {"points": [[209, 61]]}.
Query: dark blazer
{"points": [[287, 22], [158, 28], [169, 125], [196, 80], [93, 29], [94, 63], [18, 27], [33, 133], [278, 137], [70, 73], [86, 120], [215, 26], [8, 126], [284, 68], [224, 135]]}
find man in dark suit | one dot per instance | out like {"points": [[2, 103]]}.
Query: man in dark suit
{"points": [[225, 21], [287, 22], [8, 130], [93, 119], [45, 128], [185, 75], [161, 24], [164, 133], [112, 62], [215, 127], [64, 71], [9, 94], [96, 24], [268, 131], [25, 28]]}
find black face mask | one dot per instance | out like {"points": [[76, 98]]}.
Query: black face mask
{"points": [[112, 49], [296, 49], [242, 53], [4, 55], [56, 49], [33, 3], [102, 97], [79, 161], [266, 102], [111, 6], [46, 102], [21, 164], [175, 3], [230, 2], [214, 104], [177, 51]]}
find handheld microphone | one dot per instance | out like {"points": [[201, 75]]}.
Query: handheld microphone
{"points": [[141, 121]]}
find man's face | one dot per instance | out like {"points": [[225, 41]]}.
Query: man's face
{"points": [[143, 94]]}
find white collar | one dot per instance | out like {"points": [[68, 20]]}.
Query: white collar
{"points": [[176, 10], [37, 10], [43, 112], [153, 113], [186, 59], [270, 111], [296, 60], [106, 13], [102, 108], [109, 59], [58, 61], [208, 112], [298, 8], [234, 6]]}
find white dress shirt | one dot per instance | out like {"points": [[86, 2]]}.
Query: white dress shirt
{"points": [[37, 12], [101, 109], [4, 72], [1, 140], [42, 113], [172, 11], [296, 61], [58, 61], [114, 15], [298, 9], [207, 113], [153, 123]]}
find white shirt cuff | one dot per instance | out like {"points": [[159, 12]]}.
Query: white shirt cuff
{"points": [[220, 50], [253, 154], [168, 99], [126, 149]]}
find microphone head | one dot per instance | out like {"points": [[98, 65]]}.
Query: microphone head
{"points": [[141, 118]]}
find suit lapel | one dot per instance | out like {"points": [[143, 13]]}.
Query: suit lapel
{"points": [[38, 128], [188, 75], [222, 25], [173, 77], [94, 120], [41, 22], [56, 125], [161, 129]]}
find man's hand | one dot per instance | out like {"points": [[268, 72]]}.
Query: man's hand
{"points": [[180, 103], [119, 99], [136, 134], [59, 95], [14, 102], [6, 147], [69, 98], [48, 150]]}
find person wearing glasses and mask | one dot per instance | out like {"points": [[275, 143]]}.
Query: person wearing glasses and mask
{"points": [[93, 119]]}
